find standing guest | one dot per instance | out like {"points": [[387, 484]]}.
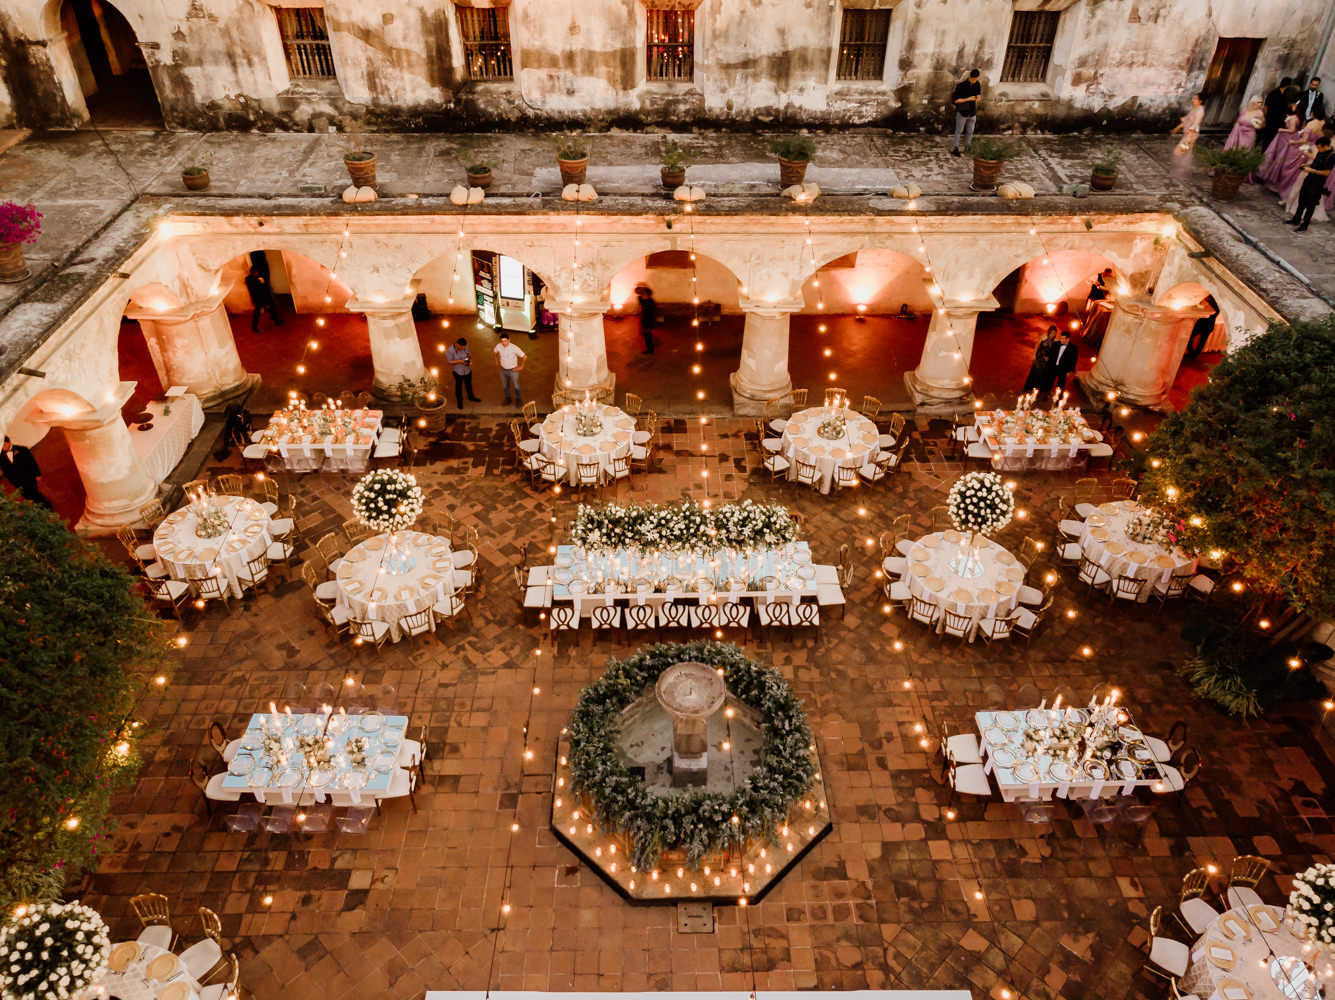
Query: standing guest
{"points": [[1064, 361], [461, 366], [20, 469], [1314, 184], [1097, 308], [1278, 149], [1313, 104], [261, 298], [1190, 124], [648, 316], [965, 100], [510, 360], [1298, 149], [1042, 372], [1276, 108], [1245, 128]]}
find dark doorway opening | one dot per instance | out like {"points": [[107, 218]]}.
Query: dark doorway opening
{"points": [[1226, 80], [112, 72]]}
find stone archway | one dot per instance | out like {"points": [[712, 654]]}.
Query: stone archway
{"points": [[113, 75]]}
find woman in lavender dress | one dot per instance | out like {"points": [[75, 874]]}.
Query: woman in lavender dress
{"points": [[1301, 147], [1243, 135], [1278, 149]]}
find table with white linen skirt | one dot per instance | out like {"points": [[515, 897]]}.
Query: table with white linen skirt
{"points": [[1036, 439], [162, 446], [132, 982], [1103, 539], [371, 591], [992, 594], [187, 556], [802, 442], [296, 435], [559, 441], [1234, 958]]}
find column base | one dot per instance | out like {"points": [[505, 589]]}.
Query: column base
{"points": [[604, 391], [389, 392], [104, 523], [220, 399], [1096, 390], [936, 399], [748, 401]]}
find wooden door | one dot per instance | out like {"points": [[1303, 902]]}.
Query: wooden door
{"points": [[1225, 80]]}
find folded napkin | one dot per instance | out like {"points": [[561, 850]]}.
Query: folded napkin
{"points": [[1236, 993], [1221, 954]]}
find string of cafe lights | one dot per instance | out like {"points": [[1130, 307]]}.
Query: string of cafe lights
{"points": [[312, 344]]}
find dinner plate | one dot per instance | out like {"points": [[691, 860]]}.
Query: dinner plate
{"points": [[1059, 770], [1014, 574], [1115, 548], [241, 765], [934, 583], [1138, 557], [578, 587], [251, 530], [920, 569], [703, 585], [162, 967], [236, 545], [919, 554], [930, 541], [1025, 771], [1081, 715], [1003, 757], [995, 736], [392, 736], [961, 596], [1096, 520], [564, 575], [1129, 734], [261, 775], [355, 555], [952, 536], [1038, 717], [321, 777], [1126, 768], [1263, 917], [1005, 558], [563, 560], [1130, 506], [355, 778], [288, 777], [1096, 770], [122, 956], [988, 596], [372, 721], [796, 583], [1098, 534], [252, 739], [806, 572], [1142, 754], [1110, 509], [384, 761], [1005, 588], [1006, 721]]}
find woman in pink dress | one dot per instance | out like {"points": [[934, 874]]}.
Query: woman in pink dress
{"points": [[1278, 149], [1300, 147], [1243, 135]]}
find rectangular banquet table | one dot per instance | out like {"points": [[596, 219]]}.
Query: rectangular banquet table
{"points": [[302, 450], [162, 446], [1046, 447]]}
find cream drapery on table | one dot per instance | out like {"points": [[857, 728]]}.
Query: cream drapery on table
{"points": [[994, 594], [371, 591], [802, 443], [188, 556]]}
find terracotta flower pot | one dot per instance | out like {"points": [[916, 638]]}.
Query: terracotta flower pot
{"points": [[672, 179], [433, 413], [985, 174], [791, 172], [13, 267], [362, 172], [1224, 186], [1102, 182], [479, 180], [573, 171], [195, 181]]}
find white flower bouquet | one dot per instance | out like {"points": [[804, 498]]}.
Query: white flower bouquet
{"points": [[212, 523], [980, 503], [587, 423], [833, 428], [1311, 909], [53, 951], [387, 500], [684, 527]]}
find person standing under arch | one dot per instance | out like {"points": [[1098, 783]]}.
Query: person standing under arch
{"points": [[261, 297], [648, 316]]}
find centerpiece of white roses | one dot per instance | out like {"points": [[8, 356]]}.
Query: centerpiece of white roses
{"points": [[979, 504], [52, 951], [389, 500]]}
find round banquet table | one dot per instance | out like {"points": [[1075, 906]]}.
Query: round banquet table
{"points": [[559, 441], [134, 984], [802, 443], [994, 594], [1103, 539], [1226, 962], [369, 591], [188, 556]]}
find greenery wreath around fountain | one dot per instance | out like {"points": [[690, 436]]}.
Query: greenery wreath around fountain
{"points": [[696, 822]]}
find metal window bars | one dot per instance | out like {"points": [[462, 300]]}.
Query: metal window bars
{"points": [[486, 36], [306, 42], [862, 43], [670, 45], [1029, 48]]}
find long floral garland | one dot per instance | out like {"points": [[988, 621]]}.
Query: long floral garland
{"points": [[697, 822], [683, 527]]}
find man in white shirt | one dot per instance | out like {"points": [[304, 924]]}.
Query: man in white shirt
{"points": [[510, 360]]}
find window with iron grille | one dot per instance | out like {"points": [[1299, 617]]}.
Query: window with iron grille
{"points": [[486, 35], [670, 45], [1029, 48], [306, 42], [862, 38]]}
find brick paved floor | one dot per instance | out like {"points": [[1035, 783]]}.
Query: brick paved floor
{"points": [[887, 900]]}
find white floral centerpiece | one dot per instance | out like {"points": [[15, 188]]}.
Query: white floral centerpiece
{"points": [[587, 422], [1311, 909], [52, 951], [833, 427], [212, 522], [387, 500], [684, 527]]}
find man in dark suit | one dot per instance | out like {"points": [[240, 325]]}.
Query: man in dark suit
{"points": [[1313, 103], [648, 316], [261, 297], [1276, 107], [21, 470], [1065, 360], [1314, 184]]}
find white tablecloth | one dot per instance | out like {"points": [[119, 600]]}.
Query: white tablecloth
{"points": [[187, 556], [1103, 539], [369, 591], [990, 595], [162, 446], [295, 436], [133, 983], [1245, 939], [802, 443], [1038, 442], [559, 441]]}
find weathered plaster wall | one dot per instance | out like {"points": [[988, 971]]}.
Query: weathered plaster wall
{"points": [[6, 105], [220, 63]]}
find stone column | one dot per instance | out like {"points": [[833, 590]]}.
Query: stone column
{"points": [[396, 353], [1141, 352], [762, 373], [942, 377], [192, 345], [113, 477], [582, 365]]}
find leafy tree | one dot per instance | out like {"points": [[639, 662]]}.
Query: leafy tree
{"points": [[1248, 463], [73, 629]]}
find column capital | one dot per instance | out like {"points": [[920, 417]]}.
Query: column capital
{"points": [[969, 307], [183, 313], [772, 307], [88, 417], [375, 308]]}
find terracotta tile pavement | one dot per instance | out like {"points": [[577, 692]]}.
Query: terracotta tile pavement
{"points": [[886, 901]]}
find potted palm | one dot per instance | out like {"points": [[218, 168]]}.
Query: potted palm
{"points": [[19, 224], [1103, 171], [361, 166], [572, 156], [477, 168], [989, 153], [675, 158], [1230, 168], [195, 176], [794, 153]]}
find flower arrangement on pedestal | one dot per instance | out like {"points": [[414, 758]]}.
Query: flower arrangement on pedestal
{"points": [[1311, 909], [387, 500], [52, 951], [980, 503]]}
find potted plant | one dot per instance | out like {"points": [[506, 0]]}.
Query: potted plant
{"points": [[1103, 171], [989, 153], [675, 158], [19, 224], [478, 169], [427, 401], [361, 166], [794, 153], [1230, 168], [572, 156], [195, 176]]}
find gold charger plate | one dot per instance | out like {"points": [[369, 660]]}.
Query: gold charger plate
{"points": [[1005, 558], [920, 569], [1221, 956], [585, 449], [1111, 509], [208, 554], [1098, 534], [162, 967], [934, 583], [353, 586], [1138, 557], [355, 556], [802, 442], [952, 536], [1234, 928], [403, 593], [1005, 588], [987, 595], [376, 543], [443, 566], [961, 596], [1233, 989], [236, 545], [1015, 574], [430, 580], [1165, 562], [378, 594], [919, 555], [122, 955], [175, 991], [1263, 918], [1096, 520], [931, 541], [1115, 548]]}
